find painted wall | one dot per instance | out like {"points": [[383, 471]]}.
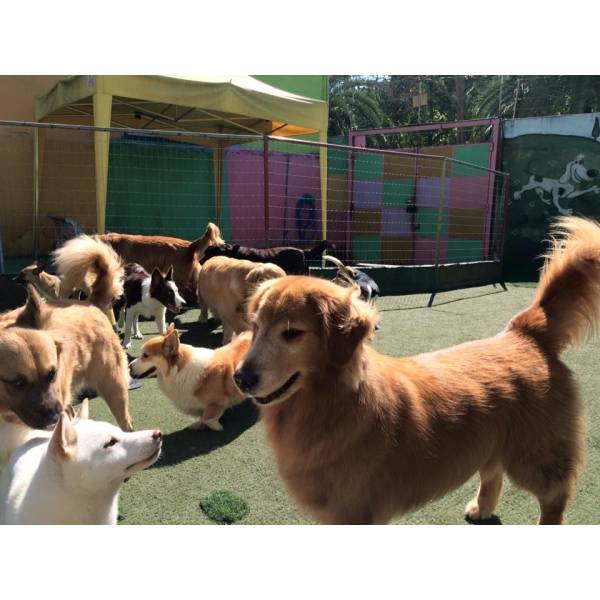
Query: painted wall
{"points": [[554, 166]]}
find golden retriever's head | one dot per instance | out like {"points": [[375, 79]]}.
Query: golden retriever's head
{"points": [[158, 354], [302, 327]]}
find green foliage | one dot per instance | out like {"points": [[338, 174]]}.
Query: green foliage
{"points": [[359, 102], [224, 507]]}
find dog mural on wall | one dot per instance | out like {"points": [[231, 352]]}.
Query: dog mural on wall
{"points": [[564, 188]]}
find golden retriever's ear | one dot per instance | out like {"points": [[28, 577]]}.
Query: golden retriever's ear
{"points": [[259, 293], [347, 323], [63, 442], [32, 313]]}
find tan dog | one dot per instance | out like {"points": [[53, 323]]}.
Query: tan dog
{"points": [[224, 286], [199, 381], [161, 252], [85, 263], [46, 284], [361, 437], [71, 340]]}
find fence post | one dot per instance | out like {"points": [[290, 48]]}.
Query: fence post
{"points": [[438, 231], [36, 191], [350, 195], [266, 186]]}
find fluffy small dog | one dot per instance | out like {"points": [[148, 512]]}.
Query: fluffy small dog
{"points": [[224, 286], [161, 252], [361, 437], [73, 475], [147, 296], [199, 381], [87, 264], [50, 350]]}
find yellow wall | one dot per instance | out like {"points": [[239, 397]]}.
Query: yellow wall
{"points": [[67, 170]]}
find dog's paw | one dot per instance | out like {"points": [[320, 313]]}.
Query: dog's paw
{"points": [[137, 336], [197, 425], [474, 513], [214, 425], [203, 318], [127, 345]]}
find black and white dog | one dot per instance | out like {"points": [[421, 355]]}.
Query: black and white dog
{"points": [[147, 296], [347, 276]]}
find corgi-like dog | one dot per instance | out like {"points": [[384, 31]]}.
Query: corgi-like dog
{"points": [[74, 474], [199, 381], [147, 296]]}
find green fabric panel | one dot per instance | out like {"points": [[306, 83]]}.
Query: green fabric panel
{"points": [[225, 225], [337, 162], [427, 219], [476, 154], [159, 189], [464, 250], [398, 192], [366, 248], [368, 167]]}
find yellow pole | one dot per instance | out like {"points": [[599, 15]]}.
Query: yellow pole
{"points": [[323, 170], [102, 116]]}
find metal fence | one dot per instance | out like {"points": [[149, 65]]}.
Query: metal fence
{"points": [[378, 207]]}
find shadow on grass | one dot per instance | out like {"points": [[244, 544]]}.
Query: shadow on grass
{"points": [[200, 334], [442, 302], [184, 444], [493, 520]]}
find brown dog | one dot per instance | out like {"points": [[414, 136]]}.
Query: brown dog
{"points": [[90, 354], [224, 286], [199, 381], [46, 284], [361, 437], [157, 251]]}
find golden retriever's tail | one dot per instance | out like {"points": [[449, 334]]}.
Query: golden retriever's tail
{"points": [[211, 237], [567, 301], [82, 258]]}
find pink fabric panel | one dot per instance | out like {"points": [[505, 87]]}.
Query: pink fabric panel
{"points": [[425, 250]]}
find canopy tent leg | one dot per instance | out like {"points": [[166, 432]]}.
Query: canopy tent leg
{"points": [[323, 170], [102, 118], [218, 176]]}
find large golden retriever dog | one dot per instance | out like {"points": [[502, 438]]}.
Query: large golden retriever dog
{"points": [[161, 252], [361, 437], [224, 286]]}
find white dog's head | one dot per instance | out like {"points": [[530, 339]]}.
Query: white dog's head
{"points": [[579, 172], [94, 456]]}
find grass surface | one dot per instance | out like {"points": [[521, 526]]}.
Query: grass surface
{"points": [[196, 464], [224, 507]]}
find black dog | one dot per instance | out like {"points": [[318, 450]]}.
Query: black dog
{"points": [[292, 260]]}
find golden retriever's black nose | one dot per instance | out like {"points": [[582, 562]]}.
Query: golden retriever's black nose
{"points": [[245, 378]]}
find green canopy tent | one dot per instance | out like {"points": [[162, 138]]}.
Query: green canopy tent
{"points": [[209, 104]]}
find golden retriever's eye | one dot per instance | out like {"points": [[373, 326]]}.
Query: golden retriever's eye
{"points": [[51, 375], [18, 383], [291, 334], [145, 355], [111, 442]]}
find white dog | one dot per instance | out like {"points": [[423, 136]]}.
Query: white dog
{"points": [[564, 188], [74, 474]]}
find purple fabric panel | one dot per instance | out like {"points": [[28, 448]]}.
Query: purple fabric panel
{"points": [[367, 194], [428, 192], [395, 222], [425, 250], [246, 197]]}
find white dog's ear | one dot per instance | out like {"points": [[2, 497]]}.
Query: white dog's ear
{"points": [[84, 410], [63, 442]]}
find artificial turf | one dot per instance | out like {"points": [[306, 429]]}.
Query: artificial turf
{"points": [[196, 464]]}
